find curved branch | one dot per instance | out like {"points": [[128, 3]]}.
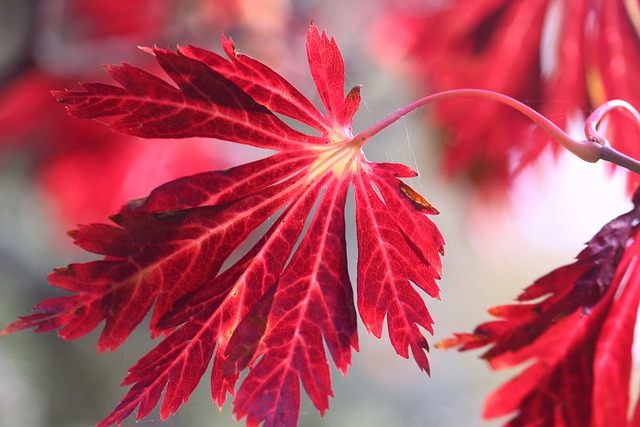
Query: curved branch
{"points": [[588, 150], [607, 152], [612, 155], [594, 148]]}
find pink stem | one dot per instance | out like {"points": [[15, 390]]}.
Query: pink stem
{"points": [[607, 152], [612, 155], [588, 150], [592, 122]]}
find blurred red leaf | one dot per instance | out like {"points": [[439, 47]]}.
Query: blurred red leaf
{"points": [[563, 58], [84, 171], [223, 287], [577, 337], [95, 19]]}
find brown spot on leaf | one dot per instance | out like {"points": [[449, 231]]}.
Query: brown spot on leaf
{"points": [[417, 199]]}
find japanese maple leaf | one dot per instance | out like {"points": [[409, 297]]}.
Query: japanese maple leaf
{"points": [[268, 300], [561, 57], [575, 328]]}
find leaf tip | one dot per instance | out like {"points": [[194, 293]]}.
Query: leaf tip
{"points": [[147, 49], [494, 311], [59, 95], [8, 330], [60, 271], [355, 91], [458, 340], [229, 46], [116, 218]]}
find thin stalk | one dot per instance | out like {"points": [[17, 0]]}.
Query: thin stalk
{"points": [[588, 150], [594, 119], [607, 152], [594, 148], [612, 155]]}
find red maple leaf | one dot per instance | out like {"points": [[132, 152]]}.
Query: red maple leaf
{"points": [[577, 337], [563, 58], [268, 303]]}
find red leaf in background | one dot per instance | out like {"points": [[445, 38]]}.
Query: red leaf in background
{"points": [[563, 58], [578, 337], [223, 287], [84, 171], [104, 18]]}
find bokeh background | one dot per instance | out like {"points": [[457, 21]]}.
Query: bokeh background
{"points": [[56, 172]]}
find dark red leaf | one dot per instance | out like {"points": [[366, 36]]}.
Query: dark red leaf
{"points": [[578, 337], [271, 304]]}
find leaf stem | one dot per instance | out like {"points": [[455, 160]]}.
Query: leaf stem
{"points": [[607, 152], [612, 155], [594, 148]]}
